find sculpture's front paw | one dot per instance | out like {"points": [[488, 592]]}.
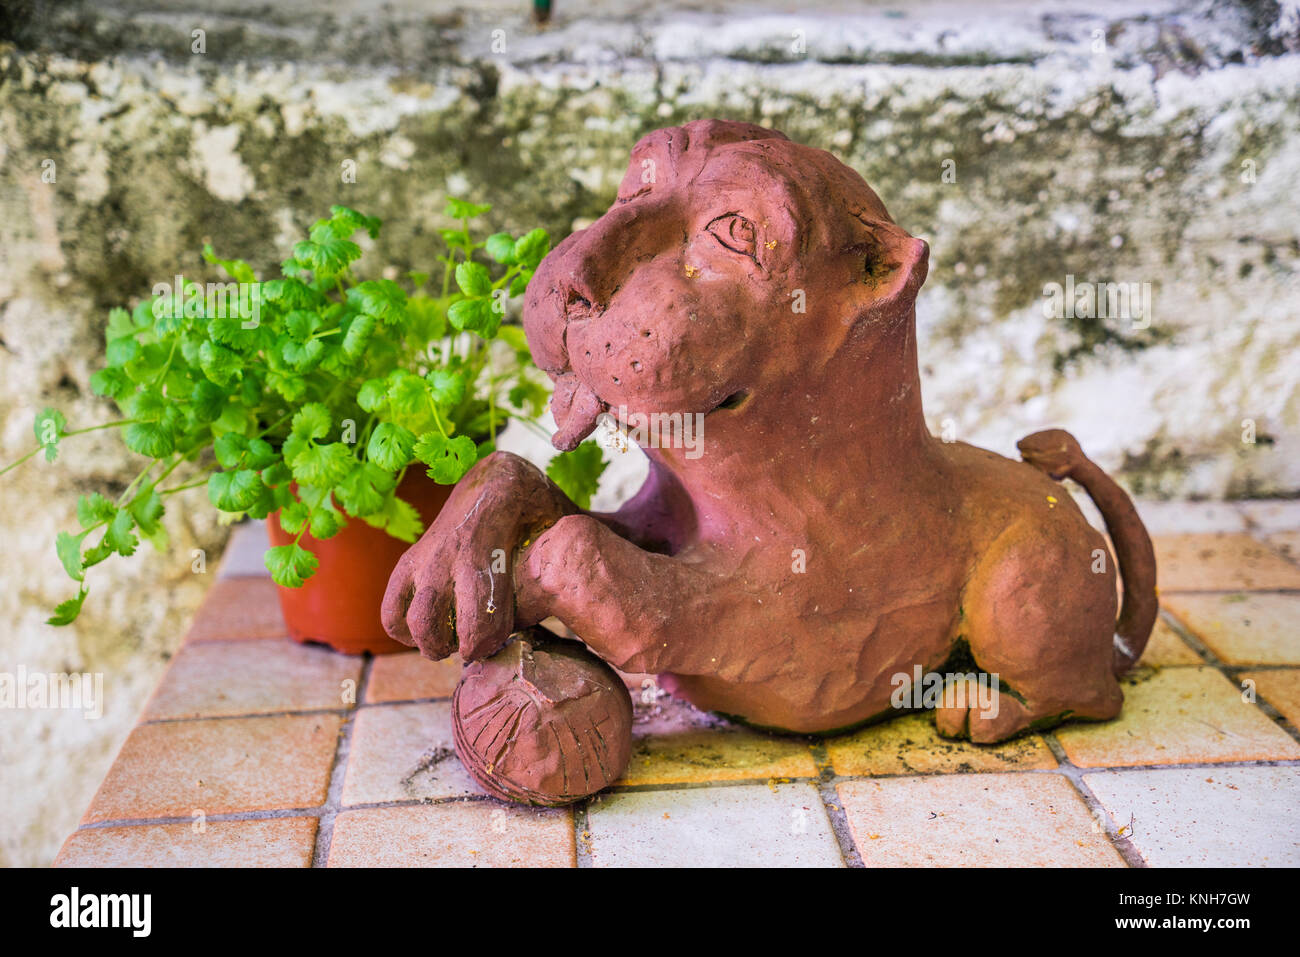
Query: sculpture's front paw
{"points": [[454, 588]]}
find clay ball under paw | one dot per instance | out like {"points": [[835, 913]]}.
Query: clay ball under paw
{"points": [[543, 721]]}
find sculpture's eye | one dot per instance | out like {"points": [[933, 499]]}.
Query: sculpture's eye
{"points": [[736, 233]]}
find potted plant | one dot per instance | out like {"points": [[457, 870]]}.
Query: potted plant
{"points": [[341, 409]]}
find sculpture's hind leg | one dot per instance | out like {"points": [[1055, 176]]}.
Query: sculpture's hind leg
{"points": [[1036, 615]]}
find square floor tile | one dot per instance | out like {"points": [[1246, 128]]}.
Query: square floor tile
{"points": [[279, 842], [239, 609], [1267, 517], [1286, 544], [409, 676], [750, 825], [1178, 716], [975, 820], [217, 766], [1280, 687], [1206, 817], [909, 744], [1243, 628], [1220, 562], [404, 752], [222, 678], [454, 834]]}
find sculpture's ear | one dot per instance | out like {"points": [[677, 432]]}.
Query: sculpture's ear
{"points": [[890, 266]]}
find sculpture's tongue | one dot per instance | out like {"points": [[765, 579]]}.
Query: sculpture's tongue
{"points": [[575, 409]]}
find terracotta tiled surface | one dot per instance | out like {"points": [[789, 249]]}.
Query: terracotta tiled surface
{"points": [[455, 834], [264, 746], [1280, 687], [277, 842], [404, 753], [176, 768], [751, 825], [216, 678], [910, 745], [1008, 820], [239, 609], [1179, 716], [1220, 562], [1207, 817], [409, 676], [1243, 628]]}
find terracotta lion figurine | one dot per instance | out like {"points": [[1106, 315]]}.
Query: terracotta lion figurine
{"points": [[821, 542]]}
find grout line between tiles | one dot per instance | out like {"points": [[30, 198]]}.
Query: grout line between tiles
{"points": [[839, 820], [1122, 844], [338, 773]]}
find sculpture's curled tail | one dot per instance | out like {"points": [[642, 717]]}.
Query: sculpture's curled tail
{"points": [[1058, 454]]}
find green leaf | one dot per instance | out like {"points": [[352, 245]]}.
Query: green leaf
{"points": [[531, 248], [362, 492], [325, 254], [301, 324], [501, 247], [229, 448], [119, 536], [346, 218], [390, 446], [207, 399], [260, 454], [234, 491], [276, 475], [447, 386], [473, 279], [398, 518], [448, 459], [373, 395], [459, 209], [312, 421], [474, 315], [93, 509], [381, 298], [50, 426], [325, 523], [293, 518], [408, 395], [302, 357], [66, 612], [121, 351], [148, 512], [358, 336], [110, 382], [237, 269], [68, 547], [290, 293], [290, 565], [151, 439], [219, 363], [577, 473], [119, 325], [323, 465]]}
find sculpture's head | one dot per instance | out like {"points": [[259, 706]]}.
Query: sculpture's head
{"points": [[733, 261]]}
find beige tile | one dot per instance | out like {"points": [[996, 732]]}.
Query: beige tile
{"points": [[239, 609], [404, 752], [1220, 562], [221, 678], [750, 825], [409, 676], [1206, 817], [1166, 648], [974, 820], [1178, 716], [1243, 628], [686, 757], [279, 842], [1279, 687], [178, 768], [454, 834], [910, 745]]}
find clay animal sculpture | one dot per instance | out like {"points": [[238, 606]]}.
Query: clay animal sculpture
{"points": [[819, 543]]}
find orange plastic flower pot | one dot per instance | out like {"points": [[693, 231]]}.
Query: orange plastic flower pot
{"points": [[339, 605]]}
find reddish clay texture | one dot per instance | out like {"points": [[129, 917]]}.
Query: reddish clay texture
{"points": [[820, 542]]}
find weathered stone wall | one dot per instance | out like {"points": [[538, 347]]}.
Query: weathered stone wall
{"points": [[1151, 142]]}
